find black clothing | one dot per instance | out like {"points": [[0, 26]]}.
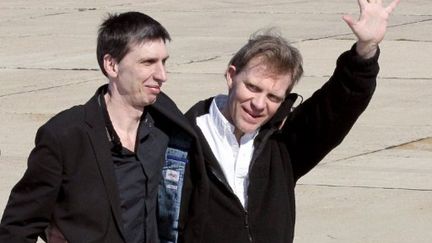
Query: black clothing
{"points": [[131, 184], [70, 180], [282, 156], [131, 168]]}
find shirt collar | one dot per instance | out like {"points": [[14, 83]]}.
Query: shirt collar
{"points": [[224, 127], [146, 123]]}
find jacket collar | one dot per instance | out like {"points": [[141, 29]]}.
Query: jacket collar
{"points": [[168, 109], [99, 139], [282, 113]]}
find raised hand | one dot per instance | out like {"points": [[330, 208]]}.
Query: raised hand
{"points": [[371, 26]]}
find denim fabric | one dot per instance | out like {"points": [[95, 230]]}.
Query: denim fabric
{"points": [[170, 189]]}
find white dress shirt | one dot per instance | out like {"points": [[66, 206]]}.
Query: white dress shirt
{"points": [[233, 158]]}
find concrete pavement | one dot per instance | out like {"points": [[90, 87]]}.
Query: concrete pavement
{"points": [[375, 187]]}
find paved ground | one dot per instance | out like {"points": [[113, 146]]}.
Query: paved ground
{"points": [[375, 187]]}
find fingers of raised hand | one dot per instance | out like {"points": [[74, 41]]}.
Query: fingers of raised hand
{"points": [[392, 6], [374, 1]]}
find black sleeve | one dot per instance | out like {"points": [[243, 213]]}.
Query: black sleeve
{"points": [[322, 121], [32, 199]]}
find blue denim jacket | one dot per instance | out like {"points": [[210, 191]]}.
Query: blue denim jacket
{"points": [[170, 190]]}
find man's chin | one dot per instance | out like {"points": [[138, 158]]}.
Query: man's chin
{"points": [[153, 101], [149, 102], [248, 128]]}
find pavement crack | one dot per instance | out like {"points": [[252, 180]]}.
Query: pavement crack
{"points": [[365, 187], [202, 60], [341, 35], [86, 9], [410, 23], [405, 78], [423, 142], [45, 88], [411, 40], [384, 149], [47, 15], [379, 77], [50, 69]]}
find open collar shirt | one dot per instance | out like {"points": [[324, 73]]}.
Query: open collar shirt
{"points": [[233, 157], [138, 175]]}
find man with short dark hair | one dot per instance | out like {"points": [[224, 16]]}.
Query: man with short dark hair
{"points": [[255, 145], [94, 173]]}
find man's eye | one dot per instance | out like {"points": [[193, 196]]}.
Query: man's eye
{"points": [[252, 88], [148, 62], [275, 99]]}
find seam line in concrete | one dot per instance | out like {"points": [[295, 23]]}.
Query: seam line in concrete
{"points": [[50, 69], [350, 34], [46, 88], [367, 187], [380, 150]]}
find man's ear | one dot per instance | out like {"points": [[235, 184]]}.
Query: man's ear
{"points": [[110, 65], [229, 75]]}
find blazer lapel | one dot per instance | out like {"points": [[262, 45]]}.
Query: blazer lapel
{"points": [[102, 149]]}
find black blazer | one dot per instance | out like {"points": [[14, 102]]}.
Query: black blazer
{"points": [[70, 180]]}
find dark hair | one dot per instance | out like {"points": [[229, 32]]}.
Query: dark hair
{"points": [[274, 51], [119, 31]]}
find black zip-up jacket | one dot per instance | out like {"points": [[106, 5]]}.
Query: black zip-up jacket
{"points": [[282, 155]]}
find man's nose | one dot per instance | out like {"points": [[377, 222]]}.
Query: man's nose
{"points": [[259, 101], [160, 74]]}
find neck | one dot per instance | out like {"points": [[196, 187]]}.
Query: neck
{"points": [[125, 119]]}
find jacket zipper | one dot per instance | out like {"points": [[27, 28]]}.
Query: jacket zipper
{"points": [[244, 211], [257, 152], [260, 148], [247, 226]]}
